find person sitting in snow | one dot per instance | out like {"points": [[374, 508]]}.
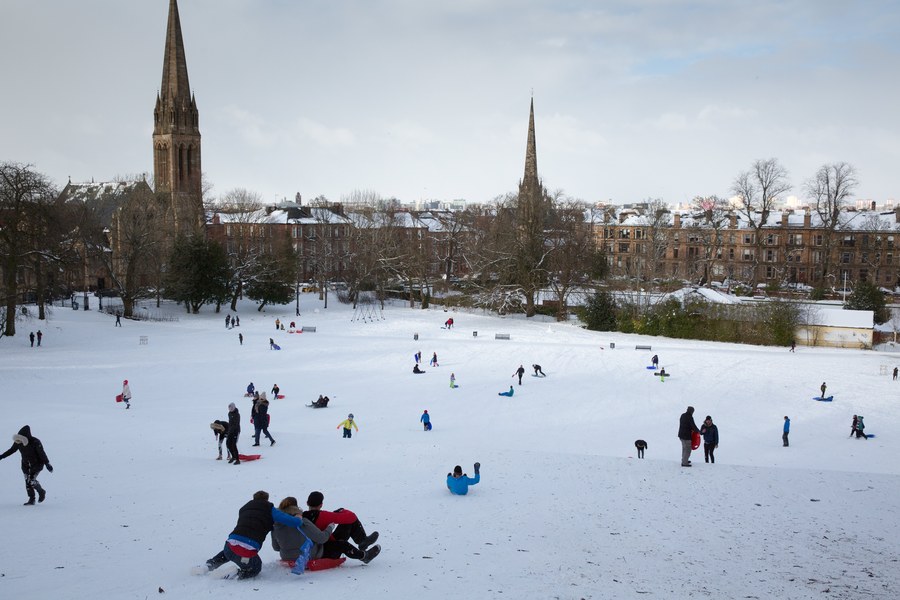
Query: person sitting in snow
{"points": [[508, 394], [426, 421], [255, 520], [289, 541], [250, 389], [458, 482], [417, 370], [322, 402], [220, 432], [348, 527]]}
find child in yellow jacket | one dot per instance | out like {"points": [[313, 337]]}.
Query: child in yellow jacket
{"points": [[347, 424]]}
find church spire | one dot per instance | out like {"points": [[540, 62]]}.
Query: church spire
{"points": [[531, 172], [175, 83]]}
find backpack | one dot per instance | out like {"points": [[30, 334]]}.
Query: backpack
{"points": [[859, 424]]}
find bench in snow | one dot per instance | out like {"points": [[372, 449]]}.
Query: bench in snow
{"points": [[501, 336], [642, 348], [307, 329]]}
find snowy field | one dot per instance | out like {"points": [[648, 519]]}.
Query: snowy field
{"points": [[564, 508]]}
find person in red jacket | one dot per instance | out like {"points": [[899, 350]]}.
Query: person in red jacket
{"points": [[347, 527]]}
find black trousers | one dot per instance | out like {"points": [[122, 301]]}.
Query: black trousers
{"points": [[231, 444], [352, 531], [640, 452], [784, 438], [708, 452], [31, 482], [334, 548]]}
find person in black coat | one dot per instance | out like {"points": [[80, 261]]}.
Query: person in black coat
{"points": [[220, 432], [641, 445], [255, 520], [33, 461], [686, 429], [261, 420], [710, 433], [520, 371], [234, 430]]}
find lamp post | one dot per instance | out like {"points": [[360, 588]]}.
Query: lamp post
{"points": [[105, 249]]}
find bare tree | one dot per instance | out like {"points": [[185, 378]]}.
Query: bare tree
{"points": [[243, 210], [757, 190], [574, 258], [711, 220], [831, 188], [23, 191]]}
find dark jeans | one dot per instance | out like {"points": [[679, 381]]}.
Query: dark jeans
{"points": [[347, 432], [640, 452], [861, 434], [352, 531], [784, 438], [249, 567], [709, 452], [231, 444], [262, 429]]}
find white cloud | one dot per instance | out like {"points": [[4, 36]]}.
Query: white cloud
{"points": [[330, 137]]}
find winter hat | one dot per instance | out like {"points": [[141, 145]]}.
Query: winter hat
{"points": [[216, 426], [315, 499], [262, 396], [125, 382], [708, 418], [350, 416], [426, 412], [231, 407]]}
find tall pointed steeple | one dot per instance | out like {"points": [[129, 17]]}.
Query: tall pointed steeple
{"points": [[176, 133], [175, 75], [531, 172]]}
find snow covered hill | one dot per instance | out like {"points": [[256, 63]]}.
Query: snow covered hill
{"points": [[564, 508]]}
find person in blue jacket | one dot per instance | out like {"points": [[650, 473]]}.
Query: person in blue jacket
{"points": [[458, 483], [508, 394], [426, 421], [787, 430], [710, 435], [256, 519]]}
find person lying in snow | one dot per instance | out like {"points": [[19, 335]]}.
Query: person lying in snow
{"points": [[458, 483]]}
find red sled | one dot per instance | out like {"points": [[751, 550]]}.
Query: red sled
{"points": [[280, 396], [317, 564], [246, 457], [695, 440], [119, 398]]}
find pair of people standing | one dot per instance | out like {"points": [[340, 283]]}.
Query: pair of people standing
{"points": [[686, 430], [39, 336], [260, 418]]}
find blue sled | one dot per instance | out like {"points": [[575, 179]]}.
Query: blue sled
{"points": [[821, 399], [652, 368], [870, 435], [276, 347]]}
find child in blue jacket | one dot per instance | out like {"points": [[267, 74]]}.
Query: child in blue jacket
{"points": [[458, 483], [426, 421]]}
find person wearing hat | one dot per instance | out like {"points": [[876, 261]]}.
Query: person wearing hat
{"points": [[710, 433], [126, 394], [686, 429], [426, 421], [261, 419], [234, 430], [347, 527], [220, 432], [33, 461], [255, 520], [458, 482], [347, 424]]}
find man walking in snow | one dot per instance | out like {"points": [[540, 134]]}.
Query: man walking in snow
{"points": [[39, 337], [686, 429], [823, 388], [31, 337], [520, 371], [234, 430]]}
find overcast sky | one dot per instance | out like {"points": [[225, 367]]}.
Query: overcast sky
{"points": [[423, 99]]}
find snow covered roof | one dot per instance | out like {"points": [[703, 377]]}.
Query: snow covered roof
{"points": [[838, 317]]}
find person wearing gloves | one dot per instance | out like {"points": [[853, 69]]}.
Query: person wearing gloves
{"points": [[126, 394], [291, 542], [255, 520], [458, 483], [347, 424], [33, 461]]}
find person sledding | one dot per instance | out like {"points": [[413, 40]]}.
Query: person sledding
{"points": [[508, 394], [417, 370], [347, 527], [322, 402], [250, 389], [296, 547], [255, 520], [458, 482]]}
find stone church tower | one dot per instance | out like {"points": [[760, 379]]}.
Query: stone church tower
{"points": [[176, 135]]}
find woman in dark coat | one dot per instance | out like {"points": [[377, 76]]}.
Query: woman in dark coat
{"points": [[710, 435], [33, 461], [234, 430]]}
